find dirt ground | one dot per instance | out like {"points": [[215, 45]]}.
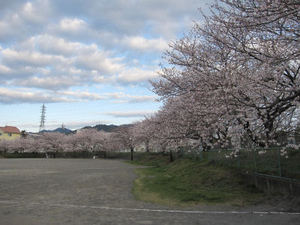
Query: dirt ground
{"points": [[88, 192]]}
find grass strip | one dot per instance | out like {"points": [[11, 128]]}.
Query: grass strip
{"points": [[187, 182]]}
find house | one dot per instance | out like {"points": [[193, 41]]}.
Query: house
{"points": [[9, 133]]}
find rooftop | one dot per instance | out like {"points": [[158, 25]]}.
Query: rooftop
{"points": [[10, 129]]}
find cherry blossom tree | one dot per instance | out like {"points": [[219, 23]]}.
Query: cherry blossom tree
{"points": [[87, 140], [22, 145], [52, 142], [124, 136], [4, 146], [143, 134], [236, 74]]}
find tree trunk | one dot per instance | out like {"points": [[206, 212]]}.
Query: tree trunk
{"points": [[171, 156], [147, 146], [131, 153]]}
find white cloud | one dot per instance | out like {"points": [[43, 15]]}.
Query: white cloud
{"points": [[143, 44], [121, 97], [9, 96], [51, 46], [134, 75], [121, 114], [72, 24], [139, 99], [20, 20], [30, 58], [56, 45], [52, 83], [26, 95], [59, 64], [99, 61], [83, 95], [9, 26], [12, 74], [5, 70], [35, 13]]}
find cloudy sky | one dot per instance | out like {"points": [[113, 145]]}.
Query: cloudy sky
{"points": [[88, 61]]}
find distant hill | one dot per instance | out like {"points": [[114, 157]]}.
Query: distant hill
{"points": [[103, 127], [99, 127], [59, 130]]}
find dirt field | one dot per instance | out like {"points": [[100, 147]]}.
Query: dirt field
{"points": [[88, 192]]}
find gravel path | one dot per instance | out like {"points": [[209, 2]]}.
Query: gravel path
{"points": [[88, 192]]}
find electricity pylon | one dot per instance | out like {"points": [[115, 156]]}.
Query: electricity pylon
{"points": [[43, 117]]}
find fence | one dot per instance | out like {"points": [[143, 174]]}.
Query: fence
{"points": [[271, 170], [274, 162]]}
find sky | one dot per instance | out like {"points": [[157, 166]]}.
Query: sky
{"points": [[88, 61]]}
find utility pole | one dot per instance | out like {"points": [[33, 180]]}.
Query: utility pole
{"points": [[43, 117]]}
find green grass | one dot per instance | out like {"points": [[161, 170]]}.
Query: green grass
{"points": [[151, 159], [187, 182]]}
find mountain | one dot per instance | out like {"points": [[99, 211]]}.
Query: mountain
{"points": [[99, 127], [59, 130], [103, 127], [63, 130]]}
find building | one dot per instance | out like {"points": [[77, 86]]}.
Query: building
{"points": [[9, 133]]}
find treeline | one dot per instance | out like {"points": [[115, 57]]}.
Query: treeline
{"points": [[233, 80], [85, 140]]}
